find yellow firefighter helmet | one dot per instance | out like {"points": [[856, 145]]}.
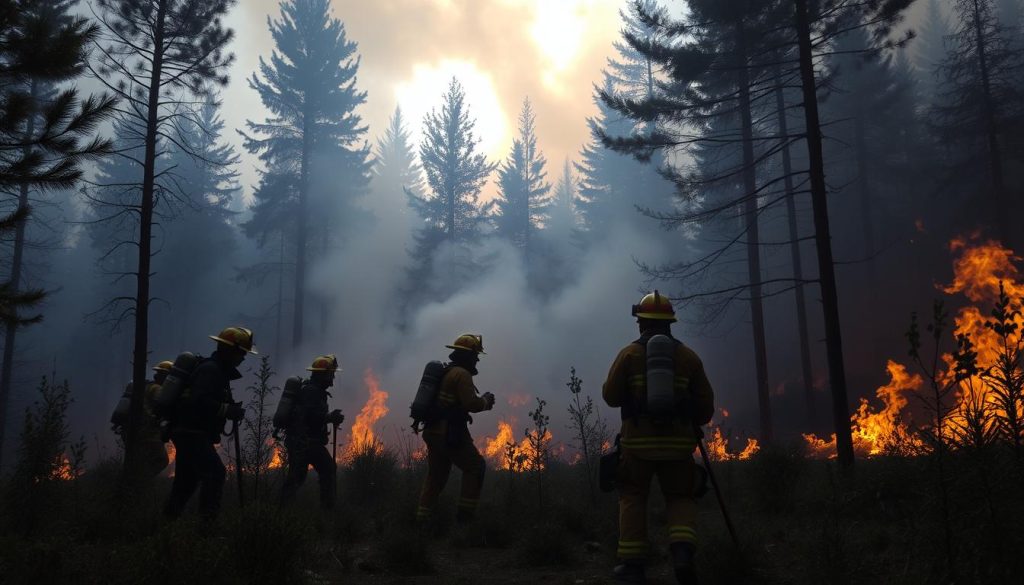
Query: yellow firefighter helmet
{"points": [[469, 342], [654, 306], [238, 337], [164, 366], [325, 363]]}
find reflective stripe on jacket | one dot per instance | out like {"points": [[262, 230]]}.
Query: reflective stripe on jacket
{"points": [[626, 388]]}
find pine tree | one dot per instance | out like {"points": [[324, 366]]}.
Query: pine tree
{"points": [[563, 221], [197, 235], [312, 142], [525, 199], [396, 168], [158, 56], [981, 109], [44, 136], [452, 213]]}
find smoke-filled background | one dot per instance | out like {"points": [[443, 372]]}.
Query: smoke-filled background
{"points": [[387, 284]]}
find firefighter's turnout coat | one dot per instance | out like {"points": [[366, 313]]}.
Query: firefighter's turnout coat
{"points": [[449, 443], [661, 447]]}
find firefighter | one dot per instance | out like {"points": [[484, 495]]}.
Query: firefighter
{"points": [[154, 454], [307, 433], [657, 444], [197, 420], [447, 438]]}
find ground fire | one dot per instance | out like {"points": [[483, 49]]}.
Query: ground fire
{"points": [[982, 270], [363, 435]]}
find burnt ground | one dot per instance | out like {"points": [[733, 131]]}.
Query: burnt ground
{"points": [[800, 522]]}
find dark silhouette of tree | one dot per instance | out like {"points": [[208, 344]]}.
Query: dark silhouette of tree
{"points": [[525, 198], [313, 145], [452, 213], [981, 110], [161, 57], [45, 137]]}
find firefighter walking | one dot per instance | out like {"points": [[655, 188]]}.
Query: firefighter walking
{"points": [[307, 435], [664, 395], [154, 454], [447, 436], [197, 420]]}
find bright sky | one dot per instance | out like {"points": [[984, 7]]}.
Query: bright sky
{"points": [[500, 50]]}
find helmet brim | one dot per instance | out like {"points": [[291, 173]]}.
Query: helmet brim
{"points": [[233, 344], [464, 348], [657, 317]]}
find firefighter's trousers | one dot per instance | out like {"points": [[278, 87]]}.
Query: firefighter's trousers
{"points": [[196, 464], [301, 456], [441, 455], [676, 479]]}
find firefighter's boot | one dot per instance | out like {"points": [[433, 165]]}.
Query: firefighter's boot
{"points": [[629, 572], [682, 560]]}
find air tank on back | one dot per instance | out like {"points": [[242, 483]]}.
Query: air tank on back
{"points": [[284, 406], [430, 382], [175, 383], [661, 372]]}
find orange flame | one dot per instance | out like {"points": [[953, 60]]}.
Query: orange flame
{"points": [[505, 453], [63, 470], [362, 435], [276, 458], [171, 457], [718, 448], [979, 269]]}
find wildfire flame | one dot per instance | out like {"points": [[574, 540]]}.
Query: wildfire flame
{"points": [[505, 453], [362, 435], [171, 456], [979, 270], [718, 448], [877, 432], [277, 457], [63, 470]]}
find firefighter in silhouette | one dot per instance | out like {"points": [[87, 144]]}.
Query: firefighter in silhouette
{"points": [[154, 454], [307, 433], [198, 419], [664, 396], [447, 437]]}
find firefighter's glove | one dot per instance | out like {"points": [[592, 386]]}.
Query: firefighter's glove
{"points": [[335, 417], [233, 411], [489, 398]]}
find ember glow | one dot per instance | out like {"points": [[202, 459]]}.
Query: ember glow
{"points": [[277, 457], [363, 436], [979, 269], [63, 470]]}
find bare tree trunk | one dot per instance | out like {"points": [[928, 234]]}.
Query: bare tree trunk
{"points": [[1002, 212], [753, 241], [300, 230], [132, 459], [823, 241], [280, 301], [795, 256], [10, 335]]}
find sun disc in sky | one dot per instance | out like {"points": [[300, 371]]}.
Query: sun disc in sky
{"points": [[424, 91]]}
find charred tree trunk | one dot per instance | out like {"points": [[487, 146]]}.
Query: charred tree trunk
{"points": [[794, 252], [301, 229], [132, 462], [10, 335], [753, 239], [1002, 212], [823, 242]]}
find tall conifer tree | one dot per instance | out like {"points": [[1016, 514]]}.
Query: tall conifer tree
{"points": [[313, 145]]}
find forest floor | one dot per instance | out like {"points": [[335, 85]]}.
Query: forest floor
{"points": [[799, 522]]}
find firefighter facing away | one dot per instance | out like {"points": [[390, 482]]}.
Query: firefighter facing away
{"points": [[197, 420], [154, 454], [447, 434], [664, 396], [307, 435]]}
